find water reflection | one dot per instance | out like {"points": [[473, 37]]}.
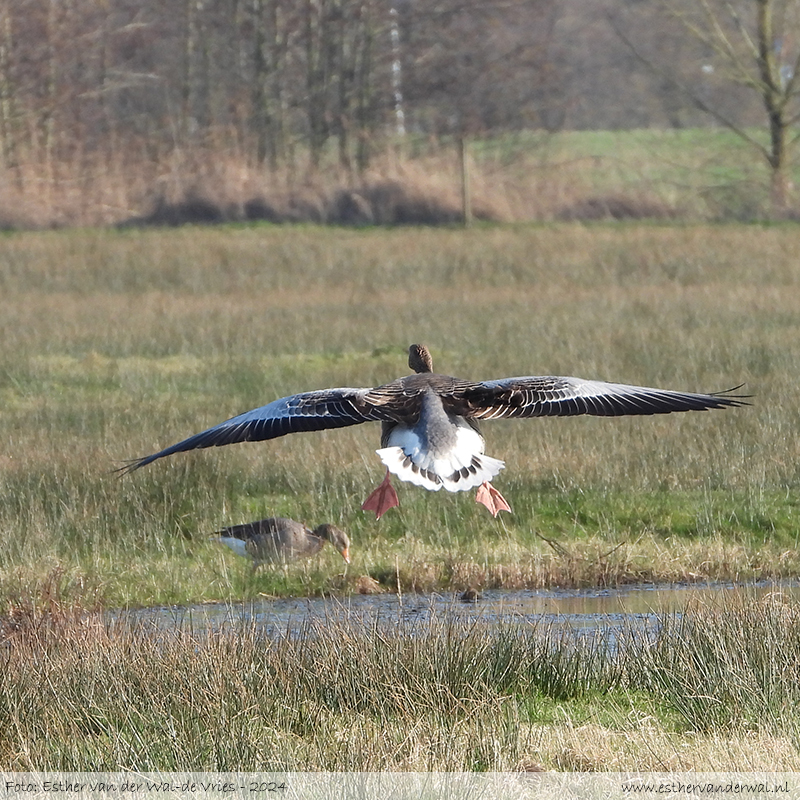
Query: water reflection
{"points": [[583, 612]]}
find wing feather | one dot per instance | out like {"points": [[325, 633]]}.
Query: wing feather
{"points": [[308, 411], [550, 396]]}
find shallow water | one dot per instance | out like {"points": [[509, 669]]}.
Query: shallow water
{"points": [[582, 611]]}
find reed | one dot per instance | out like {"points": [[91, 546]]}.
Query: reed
{"points": [[81, 692], [695, 174]]}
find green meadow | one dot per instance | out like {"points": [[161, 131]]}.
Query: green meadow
{"points": [[694, 174], [115, 344]]}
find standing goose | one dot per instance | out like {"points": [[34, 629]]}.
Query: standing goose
{"points": [[277, 540], [430, 434]]}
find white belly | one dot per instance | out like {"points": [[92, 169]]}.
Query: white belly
{"points": [[237, 545]]}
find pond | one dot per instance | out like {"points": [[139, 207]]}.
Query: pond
{"points": [[584, 612]]}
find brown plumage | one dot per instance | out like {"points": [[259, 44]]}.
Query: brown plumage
{"points": [[278, 540], [430, 435]]}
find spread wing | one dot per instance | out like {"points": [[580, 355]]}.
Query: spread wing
{"points": [[308, 411], [511, 398]]}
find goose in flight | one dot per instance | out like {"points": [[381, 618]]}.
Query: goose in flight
{"points": [[430, 435], [277, 540]]}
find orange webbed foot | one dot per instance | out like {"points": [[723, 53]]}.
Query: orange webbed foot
{"points": [[488, 496], [382, 499]]}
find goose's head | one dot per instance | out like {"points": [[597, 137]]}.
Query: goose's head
{"points": [[337, 537], [419, 358]]}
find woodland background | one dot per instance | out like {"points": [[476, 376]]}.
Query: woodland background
{"points": [[337, 110]]}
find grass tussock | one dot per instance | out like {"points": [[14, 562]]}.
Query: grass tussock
{"points": [[711, 676], [49, 609], [439, 695], [335, 697]]}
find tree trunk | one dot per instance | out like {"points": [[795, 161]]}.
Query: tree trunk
{"points": [[195, 89], [365, 113], [779, 180], [317, 47], [466, 188], [772, 97], [7, 111]]}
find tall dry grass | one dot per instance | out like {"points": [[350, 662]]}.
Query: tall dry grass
{"points": [[697, 174], [83, 694]]}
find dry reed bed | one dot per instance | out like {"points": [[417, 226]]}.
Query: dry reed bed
{"points": [[586, 175], [714, 689]]}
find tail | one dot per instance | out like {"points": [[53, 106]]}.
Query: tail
{"points": [[452, 477]]}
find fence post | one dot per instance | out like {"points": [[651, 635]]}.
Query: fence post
{"points": [[466, 191]]}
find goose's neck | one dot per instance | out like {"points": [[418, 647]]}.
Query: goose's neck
{"points": [[436, 423], [323, 531]]}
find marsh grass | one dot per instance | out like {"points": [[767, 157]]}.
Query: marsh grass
{"points": [[712, 674], [698, 174], [334, 696], [113, 344], [712, 689]]}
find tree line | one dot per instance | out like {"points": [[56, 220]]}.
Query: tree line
{"points": [[273, 81], [265, 76]]}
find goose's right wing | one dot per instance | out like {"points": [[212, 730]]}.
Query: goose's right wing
{"points": [[307, 411]]}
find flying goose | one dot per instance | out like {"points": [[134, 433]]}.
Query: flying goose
{"points": [[430, 435], [277, 540]]}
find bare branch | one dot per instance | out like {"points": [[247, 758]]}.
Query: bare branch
{"points": [[745, 34], [669, 76]]}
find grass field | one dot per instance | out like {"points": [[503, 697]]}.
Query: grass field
{"points": [[695, 174], [114, 344]]}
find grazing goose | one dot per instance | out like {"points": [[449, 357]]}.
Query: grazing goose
{"points": [[430, 434], [277, 540]]}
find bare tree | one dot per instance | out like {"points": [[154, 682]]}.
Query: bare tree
{"points": [[8, 115], [195, 117], [752, 44], [474, 66], [274, 30], [343, 73]]}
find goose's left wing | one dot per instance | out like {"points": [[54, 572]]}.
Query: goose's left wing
{"points": [[551, 396]]}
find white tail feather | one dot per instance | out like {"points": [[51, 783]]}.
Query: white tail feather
{"points": [[441, 473], [237, 545]]}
